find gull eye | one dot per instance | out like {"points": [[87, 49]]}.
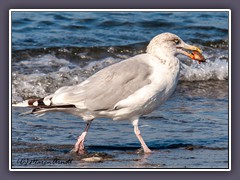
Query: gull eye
{"points": [[177, 42]]}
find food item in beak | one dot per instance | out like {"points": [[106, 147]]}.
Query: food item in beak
{"points": [[198, 57]]}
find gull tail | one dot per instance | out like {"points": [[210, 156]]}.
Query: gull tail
{"points": [[39, 107], [30, 103]]}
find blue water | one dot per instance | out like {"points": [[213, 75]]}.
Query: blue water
{"points": [[54, 49], [33, 30]]}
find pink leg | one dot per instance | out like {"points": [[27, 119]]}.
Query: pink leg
{"points": [[138, 134], [79, 146]]}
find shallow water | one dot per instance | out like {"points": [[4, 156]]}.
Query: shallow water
{"points": [[54, 49]]}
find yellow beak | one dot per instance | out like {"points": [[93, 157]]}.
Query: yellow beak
{"points": [[192, 48], [189, 47]]}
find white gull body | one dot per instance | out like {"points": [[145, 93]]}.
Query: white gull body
{"points": [[123, 91]]}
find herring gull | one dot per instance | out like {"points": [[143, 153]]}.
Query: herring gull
{"points": [[123, 91]]}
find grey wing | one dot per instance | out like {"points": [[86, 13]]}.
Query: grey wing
{"points": [[108, 86]]}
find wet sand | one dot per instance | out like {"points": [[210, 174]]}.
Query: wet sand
{"points": [[175, 156]]}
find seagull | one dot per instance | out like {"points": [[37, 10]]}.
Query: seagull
{"points": [[122, 91]]}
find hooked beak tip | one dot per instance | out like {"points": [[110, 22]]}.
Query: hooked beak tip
{"points": [[197, 49]]}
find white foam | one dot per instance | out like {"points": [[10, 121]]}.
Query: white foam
{"points": [[46, 60], [210, 70]]}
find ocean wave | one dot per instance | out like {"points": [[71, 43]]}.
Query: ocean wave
{"points": [[217, 70]]}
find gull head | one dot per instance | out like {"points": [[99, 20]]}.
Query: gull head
{"points": [[167, 45]]}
